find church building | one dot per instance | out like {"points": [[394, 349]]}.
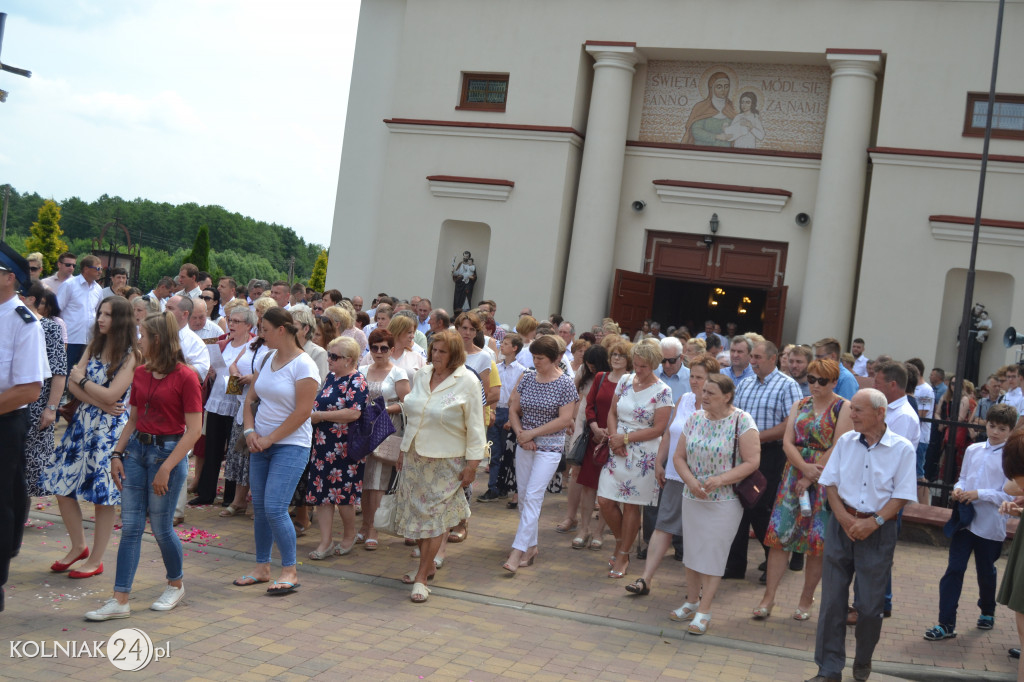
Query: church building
{"points": [[803, 169]]}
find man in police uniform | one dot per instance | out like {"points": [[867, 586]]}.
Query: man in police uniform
{"points": [[23, 368]]}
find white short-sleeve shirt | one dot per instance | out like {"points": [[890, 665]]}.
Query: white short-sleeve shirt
{"points": [[276, 390]]}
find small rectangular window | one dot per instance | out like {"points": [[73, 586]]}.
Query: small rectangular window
{"points": [[484, 91], [1007, 116]]}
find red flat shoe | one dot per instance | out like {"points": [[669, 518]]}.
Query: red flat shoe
{"points": [[58, 567], [86, 574]]}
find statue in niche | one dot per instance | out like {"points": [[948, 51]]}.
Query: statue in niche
{"points": [[464, 276]]}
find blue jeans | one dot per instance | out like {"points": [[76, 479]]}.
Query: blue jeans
{"points": [[141, 463], [985, 554], [922, 453], [273, 475], [496, 435]]}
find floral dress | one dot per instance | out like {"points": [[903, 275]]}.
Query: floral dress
{"points": [[333, 478], [630, 479], [787, 529], [39, 444], [80, 467]]}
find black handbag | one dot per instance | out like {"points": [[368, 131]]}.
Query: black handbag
{"points": [[369, 431], [752, 488]]}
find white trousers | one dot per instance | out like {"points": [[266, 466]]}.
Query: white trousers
{"points": [[534, 469]]}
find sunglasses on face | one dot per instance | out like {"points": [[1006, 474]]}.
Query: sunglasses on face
{"points": [[34, 269], [821, 381], [68, 265], [97, 268], [670, 361], [206, 298], [334, 358], [384, 348]]}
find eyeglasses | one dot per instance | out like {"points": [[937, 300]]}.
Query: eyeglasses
{"points": [[97, 268], [380, 349], [334, 358], [670, 361], [145, 298], [206, 298], [821, 381], [34, 269], [68, 265], [232, 320]]}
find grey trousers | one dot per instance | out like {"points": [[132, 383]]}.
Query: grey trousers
{"points": [[871, 561]]}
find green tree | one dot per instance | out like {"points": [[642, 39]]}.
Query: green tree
{"points": [[318, 280], [200, 255], [46, 235]]}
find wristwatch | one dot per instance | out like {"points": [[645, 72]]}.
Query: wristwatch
{"points": [[51, 408], [878, 519]]}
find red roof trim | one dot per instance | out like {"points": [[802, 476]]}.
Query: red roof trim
{"points": [[479, 124], [477, 181], [944, 155], [725, 188], [843, 50], [987, 222], [724, 150], [608, 43]]}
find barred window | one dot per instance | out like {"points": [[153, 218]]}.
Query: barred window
{"points": [[1007, 116], [484, 91]]}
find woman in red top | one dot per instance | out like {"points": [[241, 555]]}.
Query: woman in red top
{"points": [[165, 422], [599, 401]]}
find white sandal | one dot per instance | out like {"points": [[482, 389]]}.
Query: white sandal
{"points": [[420, 593], [700, 623], [684, 612]]}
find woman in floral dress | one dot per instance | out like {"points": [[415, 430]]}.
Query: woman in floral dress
{"points": [[39, 442], [80, 468], [640, 409], [333, 478], [814, 425]]}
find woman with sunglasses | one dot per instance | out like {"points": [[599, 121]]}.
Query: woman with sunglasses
{"points": [[387, 380], [814, 425], [333, 478]]}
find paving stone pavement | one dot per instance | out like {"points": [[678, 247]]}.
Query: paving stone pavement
{"points": [[559, 619]]}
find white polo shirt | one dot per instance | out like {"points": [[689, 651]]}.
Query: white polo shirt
{"points": [[901, 418], [78, 301]]}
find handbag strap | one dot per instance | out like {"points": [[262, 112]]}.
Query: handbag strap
{"points": [[736, 440]]}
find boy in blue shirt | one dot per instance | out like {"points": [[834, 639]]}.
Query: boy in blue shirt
{"points": [[981, 486]]}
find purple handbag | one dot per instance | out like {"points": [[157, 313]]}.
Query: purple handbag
{"points": [[367, 433]]}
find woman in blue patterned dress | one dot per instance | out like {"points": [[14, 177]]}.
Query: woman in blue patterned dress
{"points": [[639, 413], [80, 469], [332, 477], [39, 442]]}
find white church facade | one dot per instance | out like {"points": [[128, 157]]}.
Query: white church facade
{"points": [[802, 169]]}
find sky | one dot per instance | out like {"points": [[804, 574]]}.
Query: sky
{"points": [[239, 103]]}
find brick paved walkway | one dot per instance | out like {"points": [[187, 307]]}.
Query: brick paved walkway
{"points": [[561, 618]]}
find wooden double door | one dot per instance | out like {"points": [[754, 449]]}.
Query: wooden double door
{"points": [[748, 264]]}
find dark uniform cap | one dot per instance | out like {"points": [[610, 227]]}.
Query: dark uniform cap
{"points": [[12, 261]]}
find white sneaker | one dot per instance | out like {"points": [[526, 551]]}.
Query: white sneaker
{"points": [[109, 611], [169, 599]]}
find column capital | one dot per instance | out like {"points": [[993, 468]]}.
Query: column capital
{"points": [[616, 55], [864, 63]]}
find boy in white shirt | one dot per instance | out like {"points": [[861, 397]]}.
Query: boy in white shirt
{"points": [[980, 486]]}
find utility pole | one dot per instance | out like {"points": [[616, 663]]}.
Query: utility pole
{"points": [[3, 221], [291, 270]]}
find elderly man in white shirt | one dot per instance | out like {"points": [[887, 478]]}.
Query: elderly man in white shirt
{"points": [[196, 355], [869, 478], [78, 300]]}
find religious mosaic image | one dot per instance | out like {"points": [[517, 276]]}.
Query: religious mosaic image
{"points": [[742, 106]]}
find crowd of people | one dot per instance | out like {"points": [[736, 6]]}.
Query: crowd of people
{"points": [[681, 443]]}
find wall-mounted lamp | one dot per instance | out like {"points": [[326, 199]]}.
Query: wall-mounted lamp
{"points": [[709, 239]]}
